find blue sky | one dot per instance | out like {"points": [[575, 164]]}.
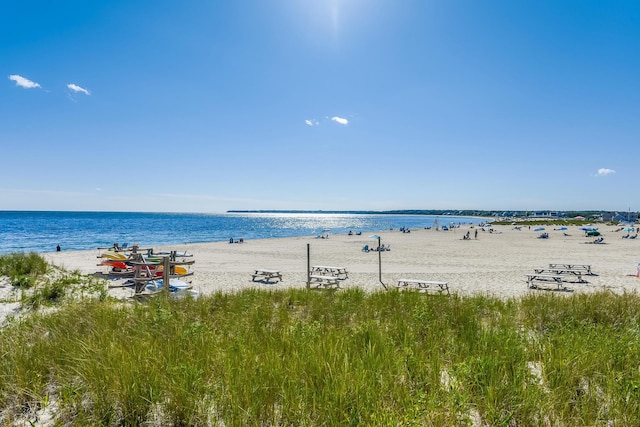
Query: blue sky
{"points": [[205, 106]]}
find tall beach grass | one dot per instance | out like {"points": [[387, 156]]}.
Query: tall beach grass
{"points": [[299, 357]]}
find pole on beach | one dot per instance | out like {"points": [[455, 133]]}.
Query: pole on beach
{"points": [[308, 265], [380, 264], [166, 274]]}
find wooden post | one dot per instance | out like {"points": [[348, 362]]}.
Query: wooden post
{"points": [[137, 275], [166, 274], [308, 265], [380, 264]]}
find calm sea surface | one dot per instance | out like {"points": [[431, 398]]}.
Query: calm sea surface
{"points": [[42, 231]]}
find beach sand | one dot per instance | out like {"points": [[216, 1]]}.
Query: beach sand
{"points": [[493, 264]]}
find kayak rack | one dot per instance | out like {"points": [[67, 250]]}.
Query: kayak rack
{"points": [[144, 275]]}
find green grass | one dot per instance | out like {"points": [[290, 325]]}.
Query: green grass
{"points": [[309, 358], [44, 285], [23, 270]]}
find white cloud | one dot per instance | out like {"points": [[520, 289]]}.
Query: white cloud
{"points": [[76, 88], [340, 120], [23, 82], [312, 122], [605, 172]]}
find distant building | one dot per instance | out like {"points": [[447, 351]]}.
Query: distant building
{"points": [[547, 214], [620, 217]]}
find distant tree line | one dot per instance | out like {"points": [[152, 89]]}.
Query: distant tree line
{"points": [[438, 212]]}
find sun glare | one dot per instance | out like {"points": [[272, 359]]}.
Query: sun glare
{"points": [[334, 18]]}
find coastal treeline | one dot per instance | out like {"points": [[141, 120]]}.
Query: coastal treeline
{"points": [[299, 357], [589, 214]]}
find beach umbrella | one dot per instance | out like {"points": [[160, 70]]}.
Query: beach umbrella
{"points": [[562, 228], [538, 229], [629, 229], [374, 236]]}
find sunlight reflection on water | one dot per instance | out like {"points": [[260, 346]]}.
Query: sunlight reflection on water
{"points": [[42, 231]]}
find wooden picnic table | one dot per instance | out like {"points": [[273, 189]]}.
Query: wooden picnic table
{"points": [[329, 271], [535, 278], [265, 274], [324, 281], [424, 285], [570, 272], [584, 267]]}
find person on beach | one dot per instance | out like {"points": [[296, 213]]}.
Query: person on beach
{"points": [[58, 249], [476, 234]]}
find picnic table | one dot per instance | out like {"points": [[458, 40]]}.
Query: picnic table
{"points": [[266, 275], [324, 281], [324, 270], [569, 272], [423, 285], [584, 267], [534, 279]]}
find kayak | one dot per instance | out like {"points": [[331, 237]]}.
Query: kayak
{"points": [[115, 264], [116, 256], [174, 285], [176, 270]]}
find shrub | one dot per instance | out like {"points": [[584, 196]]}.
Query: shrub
{"points": [[48, 294]]}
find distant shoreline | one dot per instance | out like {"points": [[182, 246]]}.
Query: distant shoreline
{"points": [[399, 212], [434, 212]]}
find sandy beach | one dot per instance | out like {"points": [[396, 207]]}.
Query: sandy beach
{"points": [[493, 264]]}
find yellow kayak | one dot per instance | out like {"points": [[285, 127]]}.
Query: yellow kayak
{"points": [[115, 256], [176, 270]]}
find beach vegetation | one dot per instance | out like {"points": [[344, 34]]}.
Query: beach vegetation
{"points": [[40, 284], [23, 270], [299, 357]]}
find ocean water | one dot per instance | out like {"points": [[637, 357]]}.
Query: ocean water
{"points": [[26, 231]]}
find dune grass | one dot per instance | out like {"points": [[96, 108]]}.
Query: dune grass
{"points": [[309, 358], [23, 269]]}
